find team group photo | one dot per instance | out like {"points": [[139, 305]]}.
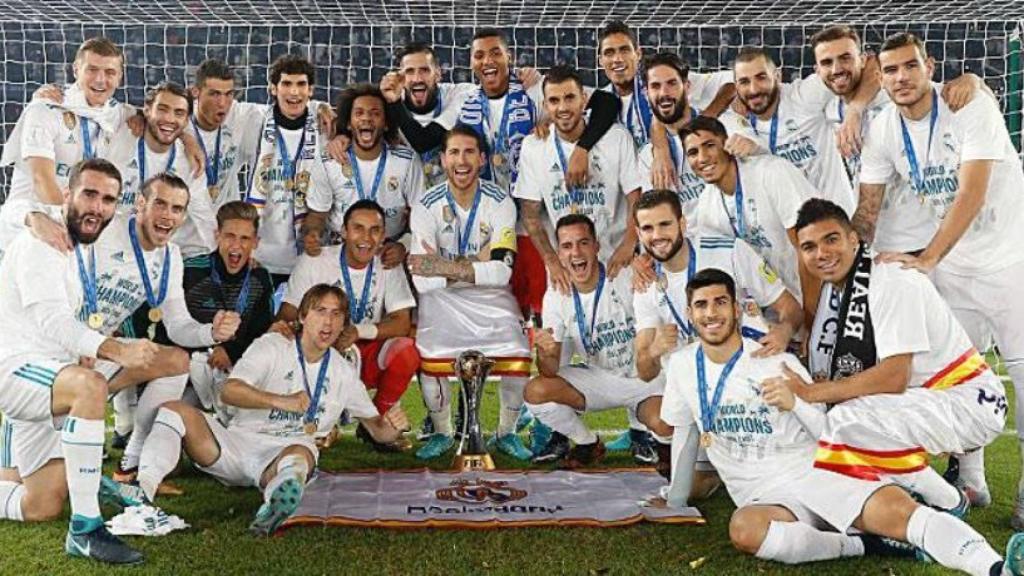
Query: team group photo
{"points": [[503, 288]]}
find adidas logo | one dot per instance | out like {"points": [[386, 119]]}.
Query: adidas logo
{"points": [[555, 168], [290, 375], [118, 257]]}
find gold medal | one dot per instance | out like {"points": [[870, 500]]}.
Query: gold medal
{"points": [[95, 320], [289, 184], [309, 428], [214, 191], [155, 315], [663, 282], [151, 332], [705, 440], [498, 159], [346, 169]]}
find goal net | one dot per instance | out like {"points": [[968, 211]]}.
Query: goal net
{"points": [[354, 40]]}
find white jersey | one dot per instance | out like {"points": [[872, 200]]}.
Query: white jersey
{"points": [[196, 235], [271, 364], [688, 187], [773, 192], [388, 292], [757, 285], [40, 295], [238, 136], [804, 137], [434, 222], [976, 132], [502, 175], [121, 291], [399, 184], [610, 331], [450, 98], [755, 446], [908, 317], [611, 177]]}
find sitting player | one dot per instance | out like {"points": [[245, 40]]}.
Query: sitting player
{"points": [[284, 398]]}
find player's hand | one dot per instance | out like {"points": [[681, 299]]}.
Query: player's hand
{"points": [[325, 442], [326, 115], [311, 243], [53, 233], [347, 338], [558, 276], [848, 137], [542, 128], [579, 168], [739, 107], [544, 340], [907, 261], [397, 418], [283, 328], [666, 339], [663, 169], [296, 402], [742, 147], [796, 384], [393, 254], [775, 392], [50, 92], [643, 272], [959, 91], [195, 155], [137, 354], [391, 85], [137, 124], [621, 258], [219, 359], [529, 76], [225, 324], [87, 362], [775, 341], [337, 148]]}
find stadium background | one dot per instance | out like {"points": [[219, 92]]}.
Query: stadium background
{"points": [[355, 41]]}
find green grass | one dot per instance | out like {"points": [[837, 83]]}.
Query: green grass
{"points": [[218, 542]]}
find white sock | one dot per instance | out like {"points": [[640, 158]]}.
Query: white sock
{"points": [[11, 494], [951, 542], [634, 422], [156, 393], [437, 396], [162, 451], [565, 420], [510, 401], [796, 543], [972, 468], [291, 466], [124, 403], [932, 487], [82, 445]]}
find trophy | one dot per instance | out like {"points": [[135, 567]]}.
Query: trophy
{"points": [[472, 368]]}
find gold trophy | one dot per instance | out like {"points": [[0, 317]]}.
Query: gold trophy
{"points": [[472, 368]]}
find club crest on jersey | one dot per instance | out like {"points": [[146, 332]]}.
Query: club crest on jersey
{"points": [[791, 125], [478, 491], [393, 184], [70, 120], [949, 142]]}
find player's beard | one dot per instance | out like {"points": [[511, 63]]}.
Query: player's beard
{"points": [[428, 105], [773, 96], [677, 112], [677, 245], [731, 323], [75, 226]]}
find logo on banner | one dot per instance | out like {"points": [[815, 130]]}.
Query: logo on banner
{"points": [[479, 491]]}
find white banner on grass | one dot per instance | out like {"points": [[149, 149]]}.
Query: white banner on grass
{"points": [[485, 499]]}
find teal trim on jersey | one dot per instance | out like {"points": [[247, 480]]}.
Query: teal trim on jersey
{"points": [[28, 373], [127, 328], [200, 261], [6, 457]]}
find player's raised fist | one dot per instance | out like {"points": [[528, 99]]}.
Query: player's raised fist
{"points": [[391, 86], [225, 324], [666, 339]]}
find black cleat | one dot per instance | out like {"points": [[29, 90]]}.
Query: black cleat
{"points": [[101, 545], [556, 449], [583, 455]]}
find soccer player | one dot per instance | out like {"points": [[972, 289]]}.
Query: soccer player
{"points": [[463, 251], [50, 138], [290, 159], [595, 321], [53, 399], [788, 510], [755, 199], [226, 279], [606, 198], [391, 176], [285, 396], [159, 150], [963, 167], [380, 306]]}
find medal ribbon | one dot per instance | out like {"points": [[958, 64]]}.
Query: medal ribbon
{"points": [[377, 178], [501, 137], [358, 310], [691, 269], [587, 336], [708, 412], [140, 261], [88, 150], [288, 163], [212, 166], [88, 278], [916, 170], [576, 195], [141, 156], [773, 133], [639, 106], [464, 234], [738, 226], [321, 378], [243, 294], [675, 152]]}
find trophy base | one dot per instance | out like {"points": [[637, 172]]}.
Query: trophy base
{"points": [[473, 462]]}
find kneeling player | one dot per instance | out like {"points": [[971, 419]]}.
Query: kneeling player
{"points": [[283, 398], [761, 439], [597, 316]]}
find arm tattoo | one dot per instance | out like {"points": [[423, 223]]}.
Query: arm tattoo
{"points": [[865, 219]]}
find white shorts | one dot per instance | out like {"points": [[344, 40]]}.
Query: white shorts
{"points": [[31, 432], [822, 499], [107, 368], [603, 389], [987, 306], [245, 455]]}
